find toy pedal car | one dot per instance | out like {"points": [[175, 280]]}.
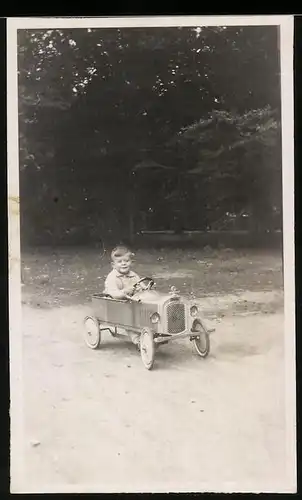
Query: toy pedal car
{"points": [[158, 317]]}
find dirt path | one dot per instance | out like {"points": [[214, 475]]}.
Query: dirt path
{"points": [[98, 421]]}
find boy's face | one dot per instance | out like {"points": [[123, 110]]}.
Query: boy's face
{"points": [[122, 264]]}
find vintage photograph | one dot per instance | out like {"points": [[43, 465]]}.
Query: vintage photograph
{"points": [[150, 182]]}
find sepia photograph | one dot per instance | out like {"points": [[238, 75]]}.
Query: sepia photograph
{"points": [[151, 254]]}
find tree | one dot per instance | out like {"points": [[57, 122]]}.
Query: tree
{"points": [[238, 157], [94, 103]]}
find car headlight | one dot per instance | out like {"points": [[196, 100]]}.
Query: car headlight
{"points": [[155, 317], [194, 311]]}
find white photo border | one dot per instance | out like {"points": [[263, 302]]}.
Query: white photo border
{"points": [[286, 27]]}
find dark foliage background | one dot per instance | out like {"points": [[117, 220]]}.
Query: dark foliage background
{"points": [[125, 130]]}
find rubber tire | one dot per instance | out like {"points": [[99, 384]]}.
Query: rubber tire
{"points": [[204, 348], [96, 343], [147, 333]]}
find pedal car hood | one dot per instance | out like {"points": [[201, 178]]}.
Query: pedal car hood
{"points": [[153, 296]]}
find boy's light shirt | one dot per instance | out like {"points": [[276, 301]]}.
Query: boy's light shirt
{"points": [[116, 282]]}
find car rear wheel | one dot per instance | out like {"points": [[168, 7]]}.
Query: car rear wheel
{"points": [[92, 333], [147, 348], [202, 340]]}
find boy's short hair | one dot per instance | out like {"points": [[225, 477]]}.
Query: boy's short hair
{"points": [[121, 251]]}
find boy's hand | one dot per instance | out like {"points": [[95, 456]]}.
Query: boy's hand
{"points": [[129, 290], [132, 298]]}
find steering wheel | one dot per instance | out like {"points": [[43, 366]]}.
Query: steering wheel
{"points": [[148, 286]]}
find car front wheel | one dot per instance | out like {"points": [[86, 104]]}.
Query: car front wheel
{"points": [[147, 348], [201, 339]]}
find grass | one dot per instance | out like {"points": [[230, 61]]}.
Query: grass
{"points": [[69, 276]]}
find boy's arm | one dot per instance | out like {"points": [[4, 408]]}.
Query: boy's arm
{"points": [[112, 288]]}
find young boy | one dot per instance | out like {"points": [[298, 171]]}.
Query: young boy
{"points": [[119, 282]]}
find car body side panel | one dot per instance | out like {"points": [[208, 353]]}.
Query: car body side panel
{"points": [[121, 312], [136, 315], [142, 314], [113, 311]]}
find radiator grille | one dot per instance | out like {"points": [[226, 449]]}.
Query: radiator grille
{"points": [[176, 318]]}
